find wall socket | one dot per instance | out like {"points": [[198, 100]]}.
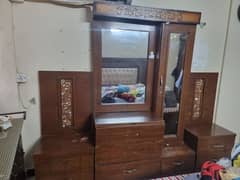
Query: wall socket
{"points": [[21, 78]]}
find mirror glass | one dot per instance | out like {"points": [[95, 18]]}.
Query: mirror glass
{"points": [[124, 66], [174, 79]]}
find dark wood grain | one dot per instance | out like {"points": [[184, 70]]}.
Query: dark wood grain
{"points": [[129, 171], [131, 137], [50, 101], [210, 81], [209, 141], [61, 158], [177, 159], [166, 31]]}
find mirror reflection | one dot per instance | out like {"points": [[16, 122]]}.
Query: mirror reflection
{"points": [[174, 78], [124, 66]]}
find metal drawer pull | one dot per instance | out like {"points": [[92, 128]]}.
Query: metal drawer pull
{"points": [[218, 146], [137, 134], [178, 163], [74, 141], [130, 171]]}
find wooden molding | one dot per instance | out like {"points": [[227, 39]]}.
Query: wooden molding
{"points": [[121, 11]]}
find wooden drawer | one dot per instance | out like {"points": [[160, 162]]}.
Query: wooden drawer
{"points": [[116, 153], [64, 158], [63, 168], [212, 155], [135, 170], [128, 134], [177, 165], [221, 143]]}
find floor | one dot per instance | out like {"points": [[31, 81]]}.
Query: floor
{"points": [[32, 178]]}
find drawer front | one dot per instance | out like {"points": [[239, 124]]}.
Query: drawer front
{"points": [[57, 146], [216, 144], [212, 155], [177, 165], [124, 153], [63, 169], [135, 170], [131, 133]]}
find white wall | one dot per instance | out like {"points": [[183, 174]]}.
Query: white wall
{"points": [[50, 37], [209, 42], [229, 98], [8, 86]]}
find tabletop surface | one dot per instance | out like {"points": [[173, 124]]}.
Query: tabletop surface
{"points": [[8, 147]]}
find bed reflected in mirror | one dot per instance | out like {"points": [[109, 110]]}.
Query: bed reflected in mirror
{"points": [[124, 66]]}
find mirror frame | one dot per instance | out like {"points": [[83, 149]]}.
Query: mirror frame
{"points": [[97, 26], [167, 29]]}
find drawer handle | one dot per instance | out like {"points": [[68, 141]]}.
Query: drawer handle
{"points": [[218, 146], [137, 134], [130, 171], [178, 163], [74, 141]]}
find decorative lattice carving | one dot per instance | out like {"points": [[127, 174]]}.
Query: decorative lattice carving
{"points": [[198, 96], [66, 102], [139, 12]]}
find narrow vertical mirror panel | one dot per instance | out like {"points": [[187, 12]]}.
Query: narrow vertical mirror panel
{"points": [[124, 66], [174, 80]]}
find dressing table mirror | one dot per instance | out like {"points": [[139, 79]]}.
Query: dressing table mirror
{"points": [[141, 66], [124, 62]]}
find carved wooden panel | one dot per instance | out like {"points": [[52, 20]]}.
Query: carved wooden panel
{"points": [[66, 102], [65, 99], [144, 13], [198, 98], [200, 101]]}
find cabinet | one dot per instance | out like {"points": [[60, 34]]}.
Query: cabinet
{"points": [[210, 142], [139, 107], [126, 144], [65, 151], [63, 158], [145, 95]]}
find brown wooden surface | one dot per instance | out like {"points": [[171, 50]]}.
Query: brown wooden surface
{"points": [[123, 141], [122, 153], [126, 118], [129, 171], [177, 159], [210, 142], [208, 99], [206, 131], [145, 14], [167, 29], [50, 101], [61, 158], [129, 133], [97, 26]]}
